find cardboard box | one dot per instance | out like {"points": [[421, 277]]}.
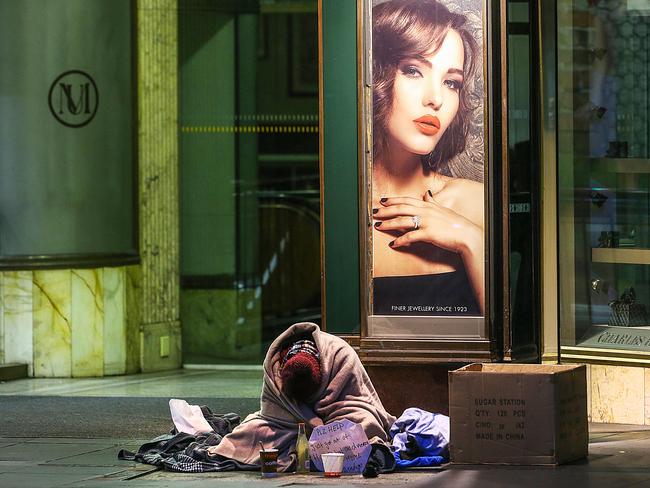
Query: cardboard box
{"points": [[518, 414]]}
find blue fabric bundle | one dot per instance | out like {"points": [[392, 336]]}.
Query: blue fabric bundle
{"points": [[420, 439]]}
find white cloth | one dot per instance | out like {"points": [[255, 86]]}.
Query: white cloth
{"points": [[188, 418]]}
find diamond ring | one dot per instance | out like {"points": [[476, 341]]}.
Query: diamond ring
{"points": [[416, 222]]}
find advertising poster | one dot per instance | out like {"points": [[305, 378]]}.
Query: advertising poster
{"points": [[426, 161]]}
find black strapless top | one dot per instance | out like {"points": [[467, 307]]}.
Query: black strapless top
{"points": [[434, 294]]}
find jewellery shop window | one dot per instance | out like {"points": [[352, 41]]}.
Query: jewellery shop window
{"points": [[604, 175]]}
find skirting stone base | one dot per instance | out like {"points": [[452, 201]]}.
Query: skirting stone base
{"points": [[161, 346]]}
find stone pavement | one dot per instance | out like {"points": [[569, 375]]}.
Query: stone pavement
{"points": [[67, 432], [619, 456]]}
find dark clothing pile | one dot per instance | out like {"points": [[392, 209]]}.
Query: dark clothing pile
{"points": [[420, 439], [381, 460], [186, 453]]}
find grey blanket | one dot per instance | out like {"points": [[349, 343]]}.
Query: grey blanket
{"points": [[345, 393]]}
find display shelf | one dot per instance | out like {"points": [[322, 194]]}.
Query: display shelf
{"points": [[619, 255], [620, 165]]}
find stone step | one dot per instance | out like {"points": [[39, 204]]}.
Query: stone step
{"points": [[13, 371]]}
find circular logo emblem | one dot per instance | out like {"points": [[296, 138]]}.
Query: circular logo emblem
{"points": [[73, 98]]}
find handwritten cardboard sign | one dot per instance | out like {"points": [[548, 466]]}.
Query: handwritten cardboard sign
{"points": [[342, 436]]}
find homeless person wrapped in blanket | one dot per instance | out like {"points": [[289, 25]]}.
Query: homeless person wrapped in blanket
{"points": [[311, 385]]}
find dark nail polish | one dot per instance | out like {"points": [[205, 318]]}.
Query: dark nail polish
{"points": [[430, 194], [375, 210], [377, 224], [391, 243], [383, 200]]}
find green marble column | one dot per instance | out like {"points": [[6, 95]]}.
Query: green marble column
{"points": [[158, 180]]}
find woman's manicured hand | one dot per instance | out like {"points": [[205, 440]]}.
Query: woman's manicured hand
{"points": [[438, 225]]}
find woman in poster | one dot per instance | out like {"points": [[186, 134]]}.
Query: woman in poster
{"points": [[428, 239]]}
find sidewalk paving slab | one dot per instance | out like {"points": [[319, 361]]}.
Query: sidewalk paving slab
{"points": [[617, 460]]}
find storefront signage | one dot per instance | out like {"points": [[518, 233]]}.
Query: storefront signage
{"points": [[617, 338], [73, 98]]}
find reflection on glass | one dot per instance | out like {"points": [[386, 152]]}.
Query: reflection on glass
{"points": [[250, 244], [604, 170], [521, 159]]}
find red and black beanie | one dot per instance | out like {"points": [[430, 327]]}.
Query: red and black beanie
{"points": [[300, 370]]}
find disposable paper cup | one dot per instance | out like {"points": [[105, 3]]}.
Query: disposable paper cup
{"points": [[332, 464], [269, 461]]}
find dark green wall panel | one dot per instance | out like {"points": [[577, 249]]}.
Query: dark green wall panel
{"points": [[340, 165]]}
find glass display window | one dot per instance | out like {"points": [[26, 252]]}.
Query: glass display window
{"points": [[604, 175]]}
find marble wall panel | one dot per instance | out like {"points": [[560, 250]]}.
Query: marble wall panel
{"points": [[617, 394], [248, 325], [646, 402], [87, 324], [209, 317], [54, 321], [221, 325], [133, 298], [114, 321], [588, 392], [52, 329], [17, 317]]}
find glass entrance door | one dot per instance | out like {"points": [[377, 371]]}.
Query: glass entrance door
{"points": [[250, 242]]}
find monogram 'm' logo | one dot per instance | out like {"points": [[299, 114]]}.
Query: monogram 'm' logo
{"points": [[73, 98]]}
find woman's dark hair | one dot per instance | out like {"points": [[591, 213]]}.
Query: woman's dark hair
{"points": [[403, 29]]}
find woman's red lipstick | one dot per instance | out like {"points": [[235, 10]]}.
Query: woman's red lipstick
{"points": [[429, 125]]}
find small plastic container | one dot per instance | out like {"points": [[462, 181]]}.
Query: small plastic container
{"points": [[332, 464]]}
